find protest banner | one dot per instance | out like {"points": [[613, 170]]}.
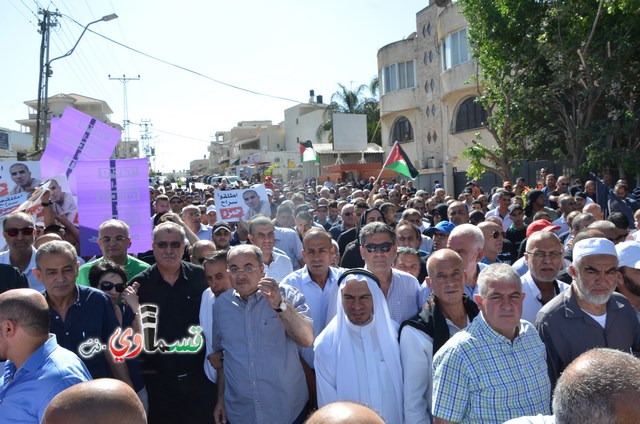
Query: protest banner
{"points": [[233, 205], [63, 203], [114, 189], [76, 137]]}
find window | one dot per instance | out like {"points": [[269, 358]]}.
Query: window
{"points": [[470, 115], [455, 49], [399, 76], [402, 131]]}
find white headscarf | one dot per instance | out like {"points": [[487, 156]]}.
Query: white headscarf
{"points": [[381, 331]]}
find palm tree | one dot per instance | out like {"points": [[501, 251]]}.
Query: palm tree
{"points": [[352, 101]]}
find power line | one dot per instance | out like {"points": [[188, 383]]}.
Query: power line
{"points": [[173, 134], [186, 69]]}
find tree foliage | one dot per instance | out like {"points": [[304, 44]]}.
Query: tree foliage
{"points": [[354, 101], [559, 79]]}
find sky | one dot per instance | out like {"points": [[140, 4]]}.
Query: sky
{"points": [[282, 48]]}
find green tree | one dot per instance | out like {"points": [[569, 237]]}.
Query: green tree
{"points": [[353, 101]]}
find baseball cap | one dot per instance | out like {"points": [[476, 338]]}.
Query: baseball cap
{"points": [[467, 191], [438, 186], [515, 207], [594, 246], [211, 209], [442, 226], [541, 225], [629, 254], [220, 225]]}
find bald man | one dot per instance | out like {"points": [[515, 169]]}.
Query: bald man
{"points": [[344, 413], [37, 368], [102, 401]]}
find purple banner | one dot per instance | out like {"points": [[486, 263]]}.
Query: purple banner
{"points": [[114, 189], [76, 137]]}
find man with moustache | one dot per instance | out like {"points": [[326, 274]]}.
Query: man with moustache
{"points": [[588, 314]]}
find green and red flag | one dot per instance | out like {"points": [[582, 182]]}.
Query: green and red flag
{"points": [[399, 162], [307, 152]]}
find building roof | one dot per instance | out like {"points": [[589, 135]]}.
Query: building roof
{"points": [[324, 148]]}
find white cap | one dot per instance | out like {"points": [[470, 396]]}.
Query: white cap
{"points": [[629, 254], [594, 246], [211, 209], [269, 192]]}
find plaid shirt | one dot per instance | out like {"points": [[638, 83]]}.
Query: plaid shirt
{"points": [[480, 376]]}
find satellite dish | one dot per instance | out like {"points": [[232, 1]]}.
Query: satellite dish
{"points": [[442, 3]]}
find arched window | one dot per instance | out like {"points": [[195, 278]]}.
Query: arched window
{"points": [[402, 131], [470, 115]]}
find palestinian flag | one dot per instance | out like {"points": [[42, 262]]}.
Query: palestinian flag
{"points": [[399, 162], [307, 152]]}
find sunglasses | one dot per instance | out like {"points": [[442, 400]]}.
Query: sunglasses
{"points": [[26, 231], [173, 244], [379, 247], [496, 234], [108, 285]]}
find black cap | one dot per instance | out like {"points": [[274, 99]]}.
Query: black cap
{"points": [[220, 224]]}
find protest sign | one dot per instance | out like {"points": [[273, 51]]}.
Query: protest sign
{"points": [[114, 189], [233, 205]]}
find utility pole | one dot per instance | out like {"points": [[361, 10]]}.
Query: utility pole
{"points": [[148, 144], [125, 122], [49, 20]]}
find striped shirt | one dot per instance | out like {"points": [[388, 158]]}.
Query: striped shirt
{"points": [[481, 376]]}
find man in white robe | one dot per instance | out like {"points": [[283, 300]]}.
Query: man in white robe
{"points": [[357, 356]]}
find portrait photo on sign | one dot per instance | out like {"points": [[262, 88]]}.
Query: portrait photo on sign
{"points": [[62, 202], [19, 177], [234, 205]]}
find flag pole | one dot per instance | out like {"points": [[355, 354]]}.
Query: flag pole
{"points": [[387, 160]]}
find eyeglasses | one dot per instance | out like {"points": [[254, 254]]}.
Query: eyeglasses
{"points": [[165, 244], [379, 247], [496, 234], [247, 269], [539, 254], [12, 232], [117, 239], [108, 285]]}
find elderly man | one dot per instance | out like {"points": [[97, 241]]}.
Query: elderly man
{"points": [[600, 386], [114, 240], [545, 259], [494, 370], [345, 413], [348, 221], [102, 401], [178, 389], [378, 249], [357, 356], [215, 269], [589, 314], [423, 335], [78, 313], [468, 241], [18, 230], [200, 250], [567, 205], [259, 325], [262, 234], [37, 368], [191, 217], [21, 175]]}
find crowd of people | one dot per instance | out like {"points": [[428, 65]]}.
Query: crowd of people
{"points": [[333, 302]]}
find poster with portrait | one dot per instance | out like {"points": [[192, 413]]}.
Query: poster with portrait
{"points": [[63, 203], [233, 205], [18, 177]]}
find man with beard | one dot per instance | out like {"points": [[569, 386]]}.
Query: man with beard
{"points": [[629, 267], [588, 314], [544, 256]]}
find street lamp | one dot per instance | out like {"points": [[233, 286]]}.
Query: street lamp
{"points": [[43, 93]]}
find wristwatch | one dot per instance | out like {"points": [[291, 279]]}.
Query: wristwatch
{"points": [[281, 307]]}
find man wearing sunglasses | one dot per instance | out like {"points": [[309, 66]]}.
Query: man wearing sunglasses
{"points": [[378, 249], [19, 232], [178, 388], [114, 241], [493, 241]]}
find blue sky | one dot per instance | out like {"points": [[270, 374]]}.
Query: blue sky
{"points": [[283, 48]]}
